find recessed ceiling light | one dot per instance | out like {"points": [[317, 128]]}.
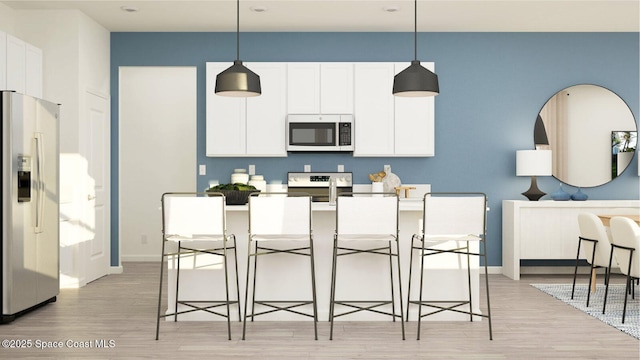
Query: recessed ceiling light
{"points": [[128, 8], [391, 8], [258, 8]]}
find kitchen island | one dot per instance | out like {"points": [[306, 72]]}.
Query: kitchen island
{"points": [[284, 276]]}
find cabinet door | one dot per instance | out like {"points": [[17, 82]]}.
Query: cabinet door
{"points": [[336, 88], [303, 88], [3, 60], [16, 57], [373, 109], [33, 71], [225, 118], [266, 113], [414, 122]]}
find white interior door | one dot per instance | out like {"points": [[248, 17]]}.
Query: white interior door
{"points": [[157, 143], [98, 249]]}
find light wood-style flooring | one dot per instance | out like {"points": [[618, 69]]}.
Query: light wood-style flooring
{"points": [[527, 324]]}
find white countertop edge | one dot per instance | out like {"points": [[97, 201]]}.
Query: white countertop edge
{"points": [[405, 205]]}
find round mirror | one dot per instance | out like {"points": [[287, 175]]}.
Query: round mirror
{"points": [[592, 133]]}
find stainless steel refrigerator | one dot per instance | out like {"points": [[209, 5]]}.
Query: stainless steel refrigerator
{"points": [[29, 257]]}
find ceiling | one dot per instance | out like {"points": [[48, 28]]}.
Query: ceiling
{"points": [[356, 15]]}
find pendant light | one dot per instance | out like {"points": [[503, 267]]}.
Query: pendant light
{"points": [[238, 80], [415, 80]]}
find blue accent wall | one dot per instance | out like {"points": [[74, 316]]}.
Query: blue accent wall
{"points": [[492, 86]]}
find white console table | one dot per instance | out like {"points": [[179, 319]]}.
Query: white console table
{"points": [[542, 230]]}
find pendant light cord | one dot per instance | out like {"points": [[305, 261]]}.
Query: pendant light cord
{"points": [[238, 30], [415, 30]]}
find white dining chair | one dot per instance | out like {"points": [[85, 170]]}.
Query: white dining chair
{"points": [[367, 223], [451, 221], [278, 224], [195, 222], [625, 242], [594, 246]]}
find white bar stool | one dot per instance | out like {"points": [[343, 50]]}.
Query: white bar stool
{"points": [[276, 219], [447, 217], [367, 223], [197, 219]]}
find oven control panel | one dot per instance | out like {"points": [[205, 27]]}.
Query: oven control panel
{"points": [[318, 179]]}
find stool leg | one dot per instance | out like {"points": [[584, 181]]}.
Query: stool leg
{"points": [[400, 288], [235, 258], [469, 283], [409, 285], [160, 289], [246, 290], [333, 285], [226, 284], [420, 294], [175, 316], [393, 298], [255, 275], [486, 285], [313, 289], [606, 288]]}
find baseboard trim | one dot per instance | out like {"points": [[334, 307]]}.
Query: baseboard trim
{"points": [[140, 258], [116, 269], [560, 270]]}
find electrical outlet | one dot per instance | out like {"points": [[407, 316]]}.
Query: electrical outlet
{"points": [[202, 170], [340, 168], [387, 168], [143, 239], [252, 169], [307, 168]]}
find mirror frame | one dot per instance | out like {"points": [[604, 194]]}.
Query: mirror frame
{"points": [[563, 125]]}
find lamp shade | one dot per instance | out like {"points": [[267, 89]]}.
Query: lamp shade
{"points": [[415, 81], [533, 163], [238, 81]]}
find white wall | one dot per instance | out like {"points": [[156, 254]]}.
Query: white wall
{"points": [[7, 19], [75, 59], [157, 151]]}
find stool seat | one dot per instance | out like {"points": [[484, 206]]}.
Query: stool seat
{"points": [[280, 237], [366, 237]]}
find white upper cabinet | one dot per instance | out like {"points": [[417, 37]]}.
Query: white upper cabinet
{"points": [[247, 126], [373, 109], [303, 88], [319, 88], [33, 71], [266, 114], [16, 64], [387, 125], [414, 122], [20, 66], [336, 88]]}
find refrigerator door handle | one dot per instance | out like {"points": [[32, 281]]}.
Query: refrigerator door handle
{"points": [[40, 181]]}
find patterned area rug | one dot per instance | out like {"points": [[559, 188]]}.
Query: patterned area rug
{"points": [[615, 302]]}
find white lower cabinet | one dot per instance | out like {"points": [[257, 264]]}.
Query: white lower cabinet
{"points": [[387, 125], [247, 126]]}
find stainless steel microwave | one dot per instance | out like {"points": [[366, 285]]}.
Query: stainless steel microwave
{"points": [[306, 132]]}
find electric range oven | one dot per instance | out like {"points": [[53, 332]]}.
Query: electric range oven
{"points": [[317, 183]]}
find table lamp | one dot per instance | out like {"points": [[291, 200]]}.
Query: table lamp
{"points": [[533, 163]]}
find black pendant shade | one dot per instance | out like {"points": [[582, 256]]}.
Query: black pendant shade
{"points": [[238, 81], [415, 81]]}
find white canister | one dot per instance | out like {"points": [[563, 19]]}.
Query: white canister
{"points": [[239, 176], [258, 182], [377, 187]]}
